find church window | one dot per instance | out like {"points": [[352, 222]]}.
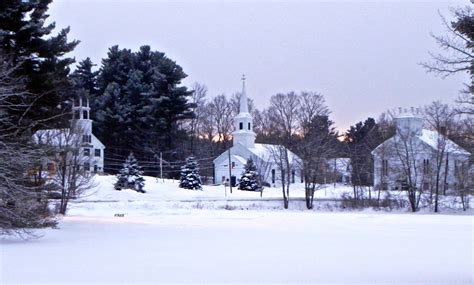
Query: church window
{"points": [[241, 126], [85, 115], [87, 152], [97, 152], [249, 126], [273, 175], [87, 166], [292, 176], [95, 168]]}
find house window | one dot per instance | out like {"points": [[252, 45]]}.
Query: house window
{"points": [[95, 167], [426, 166], [87, 152], [97, 152], [384, 167], [87, 166], [241, 126], [292, 176], [86, 139], [273, 176], [233, 164], [249, 126], [50, 167]]}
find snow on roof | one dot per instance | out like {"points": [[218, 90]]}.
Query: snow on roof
{"points": [[432, 138], [240, 159], [266, 151], [55, 137], [61, 137]]}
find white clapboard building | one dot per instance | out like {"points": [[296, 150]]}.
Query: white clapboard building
{"points": [[230, 164], [78, 138]]}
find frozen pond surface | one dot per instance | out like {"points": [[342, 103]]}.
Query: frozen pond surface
{"points": [[202, 246]]}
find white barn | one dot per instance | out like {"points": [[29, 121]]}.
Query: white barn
{"points": [[89, 148], [412, 154], [230, 164]]}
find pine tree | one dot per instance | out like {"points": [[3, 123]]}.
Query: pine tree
{"points": [[130, 176], [139, 100], [84, 78], [249, 180], [190, 178], [26, 39]]}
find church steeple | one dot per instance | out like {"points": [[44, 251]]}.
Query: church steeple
{"points": [[243, 124], [243, 99]]}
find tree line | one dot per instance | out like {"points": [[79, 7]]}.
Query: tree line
{"points": [[140, 105]]}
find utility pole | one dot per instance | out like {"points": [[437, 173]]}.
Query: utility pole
{"points": [[230, 172], [161, 166]]}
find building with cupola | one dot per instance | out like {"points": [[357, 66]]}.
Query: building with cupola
{"points": [[78, 139], [229, 166], [412, 156]]}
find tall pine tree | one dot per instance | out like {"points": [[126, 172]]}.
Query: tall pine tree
{"points": [[26, 39], [84, 78], [139, 102]]}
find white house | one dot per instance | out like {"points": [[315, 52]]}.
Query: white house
{"points": [[78, 137], [230, 164], [411, 156]]}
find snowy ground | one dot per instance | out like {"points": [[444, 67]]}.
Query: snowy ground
{"points": [[153, 245]]}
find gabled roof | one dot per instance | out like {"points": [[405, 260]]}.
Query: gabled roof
{"points": [[263, 151], [266, 151], [431, 139]]}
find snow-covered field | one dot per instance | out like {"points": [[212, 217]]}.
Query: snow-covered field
{"points": [[159, 242]]}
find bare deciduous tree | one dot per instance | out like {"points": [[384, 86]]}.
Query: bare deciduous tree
{"points": [[23, 201], [439, 117], [70, 162], [223, 116]]}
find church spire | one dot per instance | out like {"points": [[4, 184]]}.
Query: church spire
{"points": [[243, 99], [243, 133]]}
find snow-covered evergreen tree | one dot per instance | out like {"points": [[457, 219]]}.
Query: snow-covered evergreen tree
{"points": [[190, 178], [130, 176], [249, 180]]}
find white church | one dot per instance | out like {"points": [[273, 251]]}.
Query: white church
{"points": [[230, 164], [89, 149]]}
